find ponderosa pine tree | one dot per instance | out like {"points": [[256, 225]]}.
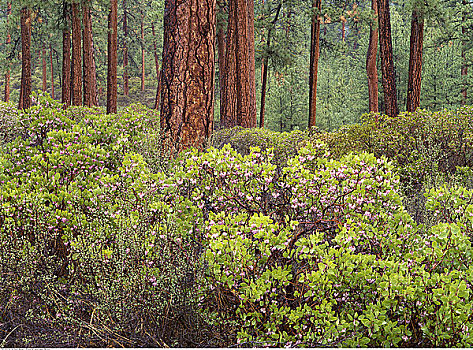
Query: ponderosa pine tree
{"points": [[371, 69], [221, 44], [239, 97], [126, 87], [76, 62], [415, 61], [89, 71], [387, 61], [251, 47], [44, 68], [25, 90], [314, 61], [112, 59], [187, 98], [66, 58], [52, 69], [7, 74]]}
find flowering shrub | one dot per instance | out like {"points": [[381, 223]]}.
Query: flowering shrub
{"points": [[322, 253], [420, 144], [285, 144], [90, 253], [223, 247]]}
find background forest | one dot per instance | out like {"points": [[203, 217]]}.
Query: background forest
{"points": [[342, 91], [237, 173]]}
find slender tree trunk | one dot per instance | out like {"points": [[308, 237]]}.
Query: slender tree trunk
{"points": [[52, 70], [7, 86], [415, 61], [142, 51], [90, 88], [387, 62], [125, 50], [343, 30], [158, 71], [112, 59], [371, 69], [76, 66], [264, 68], [66, 60], [7, 74], [25, 91], [314, 62], [188, 72], [239, 100], [44, 70], [464, 67]]}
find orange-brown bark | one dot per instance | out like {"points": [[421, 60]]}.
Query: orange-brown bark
{"points": [[371, 69], [90, 87], [239, 95], [76, 62], [221, 58], [66, 61], [187, 72], [7, 74], [387, 62], [25, 90], [112, 58], [52, 70]]}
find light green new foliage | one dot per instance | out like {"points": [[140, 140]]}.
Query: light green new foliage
{"points": [[326, 255]]}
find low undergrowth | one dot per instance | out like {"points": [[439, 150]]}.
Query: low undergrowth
{"points": [[297, 242]]}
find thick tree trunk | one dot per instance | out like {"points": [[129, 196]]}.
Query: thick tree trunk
{"points": [[76, 66], [464, 67], [387, 62], [415, 61], [371, 69], [239, 98], [264, 68], [44, 69], [142, 51], [126, 88], [66, 61], [112, 59], [7, 74], [52, 70], [221, 57], [158, 71], [90, 88], [251, 47], [25, 91], [188, 72], [314, 62]]}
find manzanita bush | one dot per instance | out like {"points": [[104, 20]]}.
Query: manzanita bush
{"points": [[322, 253], [89, 252], [249, 248]]}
